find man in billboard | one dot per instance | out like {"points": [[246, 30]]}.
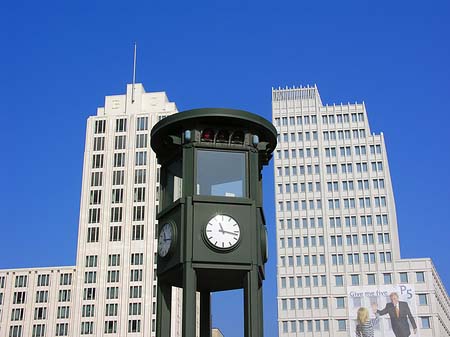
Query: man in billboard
{"points": [[399, 314]]}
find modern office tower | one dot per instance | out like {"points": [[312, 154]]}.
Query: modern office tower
{"points": [[336, 221], [111, 290]]}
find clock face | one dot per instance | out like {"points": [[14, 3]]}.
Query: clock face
{"points": [[166, 239], [222, 232]]}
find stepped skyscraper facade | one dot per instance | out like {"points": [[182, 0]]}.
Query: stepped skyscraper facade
{"points": [[337, 233], [112, 289]]}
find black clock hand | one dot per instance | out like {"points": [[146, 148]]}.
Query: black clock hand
{"points": [[232, 233]]}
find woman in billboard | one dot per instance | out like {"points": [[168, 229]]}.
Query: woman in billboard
{"points": [[364, 326]]}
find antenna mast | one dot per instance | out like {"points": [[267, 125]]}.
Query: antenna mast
{"points": [[134, 73]]}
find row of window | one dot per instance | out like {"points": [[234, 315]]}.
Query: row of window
{"points": [[115, 233], [299, 136], [335, 240], [330, 152], [336, 259], [116, 214], [333, 204], [112, 292], [136, 275], [346, 135], [118, 178], [119, 159], [330, 169], [334, 222], [332, 186], [323, 325], [95, 197], [134, 325], [19, 297], [302, 170], [322, 303], [114, 260], [298, 120], [120, 142], [307, 325], [290, 282], [121, 125], [326, 119]]}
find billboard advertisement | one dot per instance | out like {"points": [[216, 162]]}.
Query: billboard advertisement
{"points": [[382, 311]]}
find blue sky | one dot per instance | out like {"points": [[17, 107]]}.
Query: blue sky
{"points": [[59, 59]]}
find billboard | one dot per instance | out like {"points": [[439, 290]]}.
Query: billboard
{"points": [[391, 311]]}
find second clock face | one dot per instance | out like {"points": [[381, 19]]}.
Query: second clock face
{"points": [[166, 239], [223, 232]]}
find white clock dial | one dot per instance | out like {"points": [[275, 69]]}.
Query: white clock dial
{"points": [[166, 239], [223, 232]]}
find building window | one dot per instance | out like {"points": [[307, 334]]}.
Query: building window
{"points": [[119, 159], [134, 325], [40, 313], [97, 161], [21, 281], [119, 142], [116, 214], [387, 278], [95, 197], [62, 329], [87, 328], [139, 176], [137, 259], [135, 291], [135, 309], [137, 233], [17, 314], [420, 277], [94, 215], [135, 275], [139, 194], [118, 178], [342, 324], [355, 280], [371, 279], [63, 312], [111, 309], [92, 234], [423, 299], [89, 294], [115, 233], [117, 196], [340, 303], [138, 213], [141, 141], [38, 330], [121, 125], [42, 296], [112, 293], [141, 158], [91, 262], [142, 123], [90, 277], [113, 260], [113, 276], [100, 126], [15, 331], [339, 279], [64, 295], [96, 178], [425, 322]]}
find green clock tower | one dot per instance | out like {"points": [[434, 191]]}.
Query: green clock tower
{"points": [[211, 229]]}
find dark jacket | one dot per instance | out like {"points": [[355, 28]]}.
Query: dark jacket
{"points": [[399, 324]]}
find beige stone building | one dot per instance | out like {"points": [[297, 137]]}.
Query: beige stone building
{"points": [[336, 220]]}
